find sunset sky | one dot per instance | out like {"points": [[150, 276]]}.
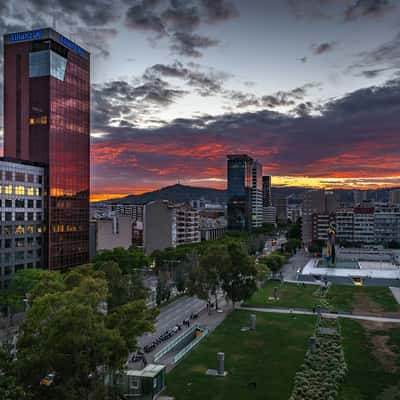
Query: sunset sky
{"points": [[310, 88]]}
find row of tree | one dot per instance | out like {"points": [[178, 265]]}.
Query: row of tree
{"points": [[68, 333], [223, 267]]}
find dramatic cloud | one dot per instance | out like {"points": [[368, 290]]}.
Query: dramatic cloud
{"points": [[345, 10], [205, 83], [141, 17], [219, 10], [323, 47], [124, 103], [187, 44], [367, 8], [177, 20], [278, 99], [356, 136], [373, 73]]}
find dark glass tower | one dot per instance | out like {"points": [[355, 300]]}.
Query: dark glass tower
{"points": [[46, 120], [239, 191], [267, 198]]}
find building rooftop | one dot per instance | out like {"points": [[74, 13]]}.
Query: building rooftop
{"points": [[149, 371], [45, 34]]}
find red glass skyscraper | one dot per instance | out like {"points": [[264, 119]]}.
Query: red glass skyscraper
{"points": [[46, 120]]}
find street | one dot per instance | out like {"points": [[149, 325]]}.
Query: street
{"points": [[295, 263]]}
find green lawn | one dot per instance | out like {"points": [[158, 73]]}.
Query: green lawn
{"points": [[366, 378], [342, 298], [290, 295], [269, 356]]}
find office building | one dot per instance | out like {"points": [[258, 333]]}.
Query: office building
{"points": [[256, 196], [387, 224], [320, 225], [267, 196], [313, 203], [294, 212], [281, 205], [331, 202], [364, 231], [394, 196], [244, 192], [22, 209], [359, 197], [169, 225], [345, 224], [46, 120], [269, 215]]}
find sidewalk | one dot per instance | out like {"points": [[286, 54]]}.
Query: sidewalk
{"points": [[396, 293], [324, 314]]}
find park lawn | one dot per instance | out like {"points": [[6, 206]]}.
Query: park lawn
{"points": [[268, 356], [290, 295], [362, 299], [341, 297], [373, 368]]}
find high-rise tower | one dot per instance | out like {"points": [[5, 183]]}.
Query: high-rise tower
{"points": [[46, 120]]}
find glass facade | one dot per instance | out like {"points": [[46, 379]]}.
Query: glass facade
{"points": [[21, 224], [54, 131], [239, 191], [47, 63]]}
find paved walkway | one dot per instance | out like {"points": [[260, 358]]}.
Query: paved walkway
{"points": [[396, 293], [326, 315]]}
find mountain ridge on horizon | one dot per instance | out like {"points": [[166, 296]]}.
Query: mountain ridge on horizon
{"points": [[184, 193]]}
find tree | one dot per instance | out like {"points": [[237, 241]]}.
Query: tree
{"points": [[65, 332], [238, 276], [10, 389], [117, 285], [294, 231], [127, 260], [121, 319], [292, 245], [205, 280]]}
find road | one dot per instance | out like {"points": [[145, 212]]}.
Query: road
{"points": [[171, 315], [295, 263]]}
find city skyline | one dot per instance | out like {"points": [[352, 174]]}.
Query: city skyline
{"points": [[178, 85]]}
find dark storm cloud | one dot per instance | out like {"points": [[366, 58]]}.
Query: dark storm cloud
{"points": [[182, 18], [367, 8], [90, 12], [220, 10], [178, 20], [373, 73], [340, 141], [187, 44], [345, 10], [127, 103], [278, 99], [206, 83], [142, 17], [323, 47]]}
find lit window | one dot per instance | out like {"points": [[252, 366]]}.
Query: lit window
{"points": [[20, 190], [19, 230], [8, 189], [30, 191], [38, 120]]}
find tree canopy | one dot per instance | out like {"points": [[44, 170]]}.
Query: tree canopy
{"points": [[66, 332]]}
